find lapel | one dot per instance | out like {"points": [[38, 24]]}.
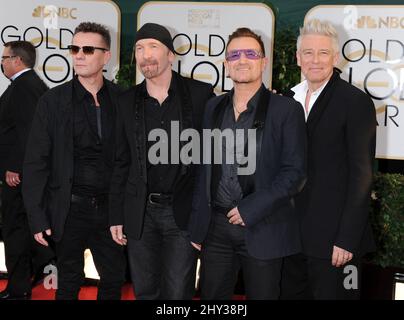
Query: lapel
{"points": [[186, 110], [247, 182], [140, 128], [109, 123], [259, 119], [321, 103], [218, 112], [66, 106], [216, 121]]}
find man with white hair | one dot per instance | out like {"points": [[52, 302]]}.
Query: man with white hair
{"points": [[334, 204]]}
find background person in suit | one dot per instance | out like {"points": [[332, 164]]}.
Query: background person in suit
{"points": [[249, 221], [150, 203], [17, 108], [68, 167], [334, 204]]}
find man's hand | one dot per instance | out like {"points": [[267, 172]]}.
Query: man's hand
{"points": [[117, 235], [235, 217], [12, 178], [340, 257], [39, 237], [197, 246]]}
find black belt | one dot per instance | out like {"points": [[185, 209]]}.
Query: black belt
{"points": [[160, 198], [92, 201]]}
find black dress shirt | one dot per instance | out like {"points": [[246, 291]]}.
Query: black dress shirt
{"points": [[91, 170], [229, 191], [161, 177]]}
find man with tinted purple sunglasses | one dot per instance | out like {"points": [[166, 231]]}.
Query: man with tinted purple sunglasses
{"points": [[247, 220]]}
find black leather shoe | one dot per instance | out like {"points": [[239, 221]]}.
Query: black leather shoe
{"points": [[5, 295]]}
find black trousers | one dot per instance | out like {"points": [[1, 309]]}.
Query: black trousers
{"points": [[307, 278], [163, 261], [87, 227], [24, 256], [224, 252]]}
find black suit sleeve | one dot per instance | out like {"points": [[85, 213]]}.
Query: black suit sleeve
{"points": [[292, 172], [120, 172], [36, 169], [360, 135], [23, 104]]}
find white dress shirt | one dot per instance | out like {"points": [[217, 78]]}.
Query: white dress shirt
{"points": [[301, 91]]}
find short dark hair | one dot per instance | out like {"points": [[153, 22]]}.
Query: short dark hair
{"points": [[23, 49], [246, 32], [95, 28]]}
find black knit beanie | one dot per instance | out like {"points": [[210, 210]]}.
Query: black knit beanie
{"points": [[155, 31]]}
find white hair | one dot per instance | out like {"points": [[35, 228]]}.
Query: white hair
{"points": [[319, 27]]}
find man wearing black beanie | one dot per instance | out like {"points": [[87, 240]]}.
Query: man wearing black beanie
{"points": [[156, 32], [150, 203]]}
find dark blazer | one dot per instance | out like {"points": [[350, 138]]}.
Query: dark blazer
{"points": [[334, 204], [128, 191], [17, 108], [48, 165], [268, 211]]}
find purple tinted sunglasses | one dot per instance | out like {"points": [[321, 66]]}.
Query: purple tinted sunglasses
{"points": [[251, 54]]}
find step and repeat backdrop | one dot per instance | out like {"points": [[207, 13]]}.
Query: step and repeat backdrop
{"points": [[371, 42], [372, 52], [49, 25], [200, 31]]}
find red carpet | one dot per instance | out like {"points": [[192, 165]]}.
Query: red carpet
{"points": [[86, 293]]}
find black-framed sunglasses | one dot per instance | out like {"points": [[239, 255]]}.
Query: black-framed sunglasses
{"points": [[7, 57], [87, 50]]}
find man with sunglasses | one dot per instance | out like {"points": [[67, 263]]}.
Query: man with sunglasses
{"points": [[17, 108], [68, 166], [246, 219], [151, 202]]}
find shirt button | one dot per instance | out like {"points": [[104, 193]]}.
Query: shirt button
{"points": [[162, 122]]}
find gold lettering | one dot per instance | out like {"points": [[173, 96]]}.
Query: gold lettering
{"points": [[394, 22], [71, 13], [384, 22]]}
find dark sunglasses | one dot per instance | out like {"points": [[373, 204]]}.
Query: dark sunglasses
{"points": [[87, 50], [251, 54], [6, 57]]}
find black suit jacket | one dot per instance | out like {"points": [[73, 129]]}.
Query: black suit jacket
{"points": [[334, 204], [17, 108], [128, 191], [268, 210], [48, 164]]}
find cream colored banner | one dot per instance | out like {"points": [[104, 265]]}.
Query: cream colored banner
{"points": [[372, 52], [200, 31], [49, 25]]}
